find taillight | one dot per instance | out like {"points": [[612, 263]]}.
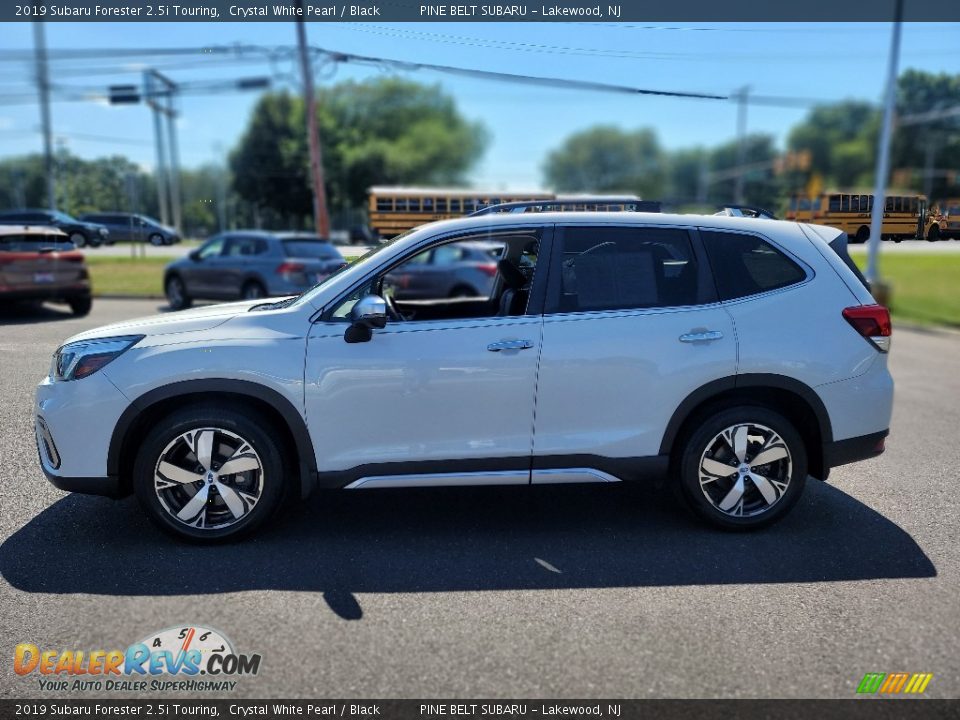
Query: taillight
{"points": [[872, 322], [489, 270], [290, 267]]}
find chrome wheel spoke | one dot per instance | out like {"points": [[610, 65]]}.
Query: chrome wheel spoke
{"points": [[197, 504], [733, 497], [232, 500], [716, 468], [203, 447], [771, 453], [765, 487], [736, 438], [176, 474], [241, 461]]}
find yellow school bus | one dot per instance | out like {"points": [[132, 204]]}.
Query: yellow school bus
{"points": [[950, 211], [905, 217], [394, 210]]}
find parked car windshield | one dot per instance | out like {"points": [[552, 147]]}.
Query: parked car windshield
{"points": [[310, 249], [61, 216]]}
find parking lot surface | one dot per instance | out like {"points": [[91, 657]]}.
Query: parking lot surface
{"points": [[545, 592]]}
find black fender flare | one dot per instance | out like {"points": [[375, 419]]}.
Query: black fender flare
{"points": [[297, 426], [748, 380]]}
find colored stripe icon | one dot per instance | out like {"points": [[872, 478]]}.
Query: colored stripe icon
{"points": [[894, 683]]}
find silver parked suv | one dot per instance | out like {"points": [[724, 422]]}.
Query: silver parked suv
{"points": [[734, 356]]}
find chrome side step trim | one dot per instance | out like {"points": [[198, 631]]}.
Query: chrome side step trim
{"points": [[503, 477], [570, 475]]}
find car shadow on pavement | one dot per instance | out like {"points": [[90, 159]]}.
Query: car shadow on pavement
{"points": [[439, 540], [29, 313]]}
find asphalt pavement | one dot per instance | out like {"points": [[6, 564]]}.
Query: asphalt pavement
{"points": [[550, 592]]}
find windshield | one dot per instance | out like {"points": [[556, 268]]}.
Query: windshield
{"points": [[62, 216]]}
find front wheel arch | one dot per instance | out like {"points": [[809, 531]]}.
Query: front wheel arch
{"points": [[133, 424]]}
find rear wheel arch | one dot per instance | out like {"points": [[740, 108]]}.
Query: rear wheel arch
{"points": [[796, 401], [251, 397]]}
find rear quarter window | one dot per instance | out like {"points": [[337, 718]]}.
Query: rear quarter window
{"points": [[748, 265]]}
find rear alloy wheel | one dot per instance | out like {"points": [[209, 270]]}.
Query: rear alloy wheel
{"points": [[209, 474], [743, 468], [176, 293], [156, 239], [253, 291], [78, 239]]}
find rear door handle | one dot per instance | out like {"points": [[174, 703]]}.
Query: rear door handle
{"points": [[705, 336], [509, 345]]}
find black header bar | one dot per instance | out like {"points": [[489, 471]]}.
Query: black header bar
{"points": [[619, 11]]}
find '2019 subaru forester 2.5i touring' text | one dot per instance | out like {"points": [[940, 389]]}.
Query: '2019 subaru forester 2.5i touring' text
{"points": [[735, 356]]}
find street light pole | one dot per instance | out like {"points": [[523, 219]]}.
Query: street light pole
{"points": [[883, 149], [320, 216]]}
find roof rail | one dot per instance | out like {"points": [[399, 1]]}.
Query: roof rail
{"points": [[587, 203]]}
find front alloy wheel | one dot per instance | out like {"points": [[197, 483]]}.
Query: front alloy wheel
{"points": [[208, 478], [209, 473], [743, 467]]}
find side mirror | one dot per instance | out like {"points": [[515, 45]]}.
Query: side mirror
{"points": [[194, 255], [368, 313]]}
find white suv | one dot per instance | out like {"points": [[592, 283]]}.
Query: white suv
{"points": [[733, 355]]}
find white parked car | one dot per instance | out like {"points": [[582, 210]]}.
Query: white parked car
{"points": [[735, 356]]}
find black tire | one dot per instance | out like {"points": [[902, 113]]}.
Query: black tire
{"points": [[863, 234], [933, 234], [253, 290], [156, 239], [80, 306], [176, 292], [275, 474], [703, 436], [78, 239]]}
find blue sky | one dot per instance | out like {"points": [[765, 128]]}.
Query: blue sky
{"points": [[828, 61]]}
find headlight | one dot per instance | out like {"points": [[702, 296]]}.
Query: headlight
{"points": [[82, 358], [104, 232]]}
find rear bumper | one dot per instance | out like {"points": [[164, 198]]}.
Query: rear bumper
{"points": [[864, 447], [50, 294]]}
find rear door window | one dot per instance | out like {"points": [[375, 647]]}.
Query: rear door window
{"points": [[747, 265], [622, 268]]}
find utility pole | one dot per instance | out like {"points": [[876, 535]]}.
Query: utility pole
{"points": [[883, 149], [742, 95], [43, 90], [171, 114], [161, 173], [320, 216]]}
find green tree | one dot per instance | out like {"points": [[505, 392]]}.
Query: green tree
{"points": [[382, 131], [606, 159]]}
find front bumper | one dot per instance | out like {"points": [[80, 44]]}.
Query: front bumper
{"points": [[74, 426]]}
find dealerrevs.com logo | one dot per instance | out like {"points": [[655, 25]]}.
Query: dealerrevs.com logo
{"points": [[188, 658]]}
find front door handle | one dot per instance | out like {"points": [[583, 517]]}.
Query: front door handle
{"points": [[705, 336], [510, 345]]}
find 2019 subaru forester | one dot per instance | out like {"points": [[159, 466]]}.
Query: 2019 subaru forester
{"points": [[735, 356]]}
